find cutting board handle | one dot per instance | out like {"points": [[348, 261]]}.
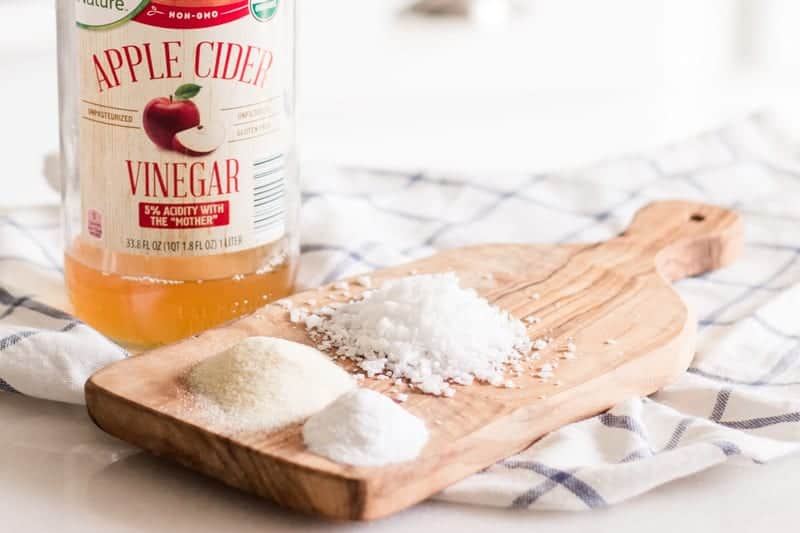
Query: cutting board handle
{"points": [[686, 238]]}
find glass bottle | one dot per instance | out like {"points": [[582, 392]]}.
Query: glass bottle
{"points": [[178, 162]]}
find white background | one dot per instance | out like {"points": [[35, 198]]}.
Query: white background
{"points": [[563, 83]]}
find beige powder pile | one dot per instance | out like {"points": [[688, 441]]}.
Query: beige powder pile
{"points": [[264, 383]]}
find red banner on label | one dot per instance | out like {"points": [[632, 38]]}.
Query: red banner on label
{"points": [[184, 216], [188, 18]]}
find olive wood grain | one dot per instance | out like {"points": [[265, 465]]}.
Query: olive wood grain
{"points": [[590, 293]]}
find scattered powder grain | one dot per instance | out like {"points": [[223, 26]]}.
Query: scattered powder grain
{"points": [[265, 383], [365, 428], [427, 330], [364, 281], [540, 344], [286, 304], [570, 347]]}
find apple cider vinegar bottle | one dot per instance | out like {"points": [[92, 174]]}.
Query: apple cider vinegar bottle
{"points": [[179, 171]]}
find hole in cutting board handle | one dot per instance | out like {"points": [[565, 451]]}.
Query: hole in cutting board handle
{"points": [[686, 238]]}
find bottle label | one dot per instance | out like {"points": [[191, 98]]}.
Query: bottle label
{"points": [[183, 129]]}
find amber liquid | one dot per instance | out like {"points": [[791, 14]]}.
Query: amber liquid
{"points": [[143, 301]]}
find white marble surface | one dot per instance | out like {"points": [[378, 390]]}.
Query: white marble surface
{"points": [[61, 474], [572, 81]]}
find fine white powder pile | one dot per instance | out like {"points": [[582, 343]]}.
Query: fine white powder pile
{"points": [[425, 329], [265, 383], [365, 428]]}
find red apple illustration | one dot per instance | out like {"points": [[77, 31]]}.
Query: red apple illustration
{"points": [[163, 117]]}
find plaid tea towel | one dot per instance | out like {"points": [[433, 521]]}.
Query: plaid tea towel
{"points": [[44, 352], [739, 401]]}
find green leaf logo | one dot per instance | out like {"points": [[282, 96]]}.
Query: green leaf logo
{"points": [[264, 10], [93, 15], [187, 91]]}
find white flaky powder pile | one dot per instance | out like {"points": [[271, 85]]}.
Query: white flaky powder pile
{"points": [[365, 428], [265, 383], [425, 329]]}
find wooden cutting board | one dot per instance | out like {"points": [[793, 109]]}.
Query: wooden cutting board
{"points": [[611, 291]]}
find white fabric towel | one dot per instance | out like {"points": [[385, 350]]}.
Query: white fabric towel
{"points": [[46, 353], [739, 401]]}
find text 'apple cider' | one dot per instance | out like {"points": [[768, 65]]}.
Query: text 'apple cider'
{"points": [[179, 162]]}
